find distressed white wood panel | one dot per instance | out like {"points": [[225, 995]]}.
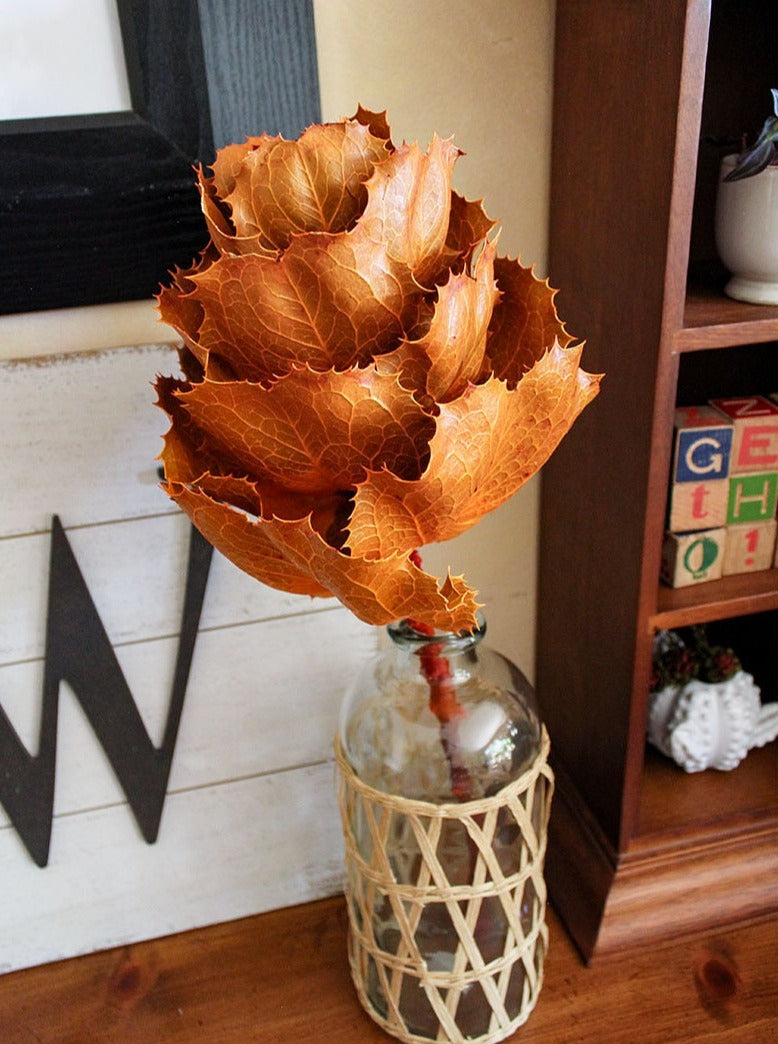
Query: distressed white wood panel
{"points": [[80, 437], [135, 573], [249, 822], [261, 698], [224, 852]]}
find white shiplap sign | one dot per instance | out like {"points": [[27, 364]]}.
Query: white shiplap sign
{"points": [[250, 820]]}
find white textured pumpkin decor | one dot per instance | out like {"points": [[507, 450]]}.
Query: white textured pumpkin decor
{"points": [[704, 725]]}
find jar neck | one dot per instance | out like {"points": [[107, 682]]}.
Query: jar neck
{"points": [[405, 635]]}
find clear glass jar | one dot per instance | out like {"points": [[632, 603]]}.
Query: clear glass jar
{"points": [[442, 718], [397, 739]]}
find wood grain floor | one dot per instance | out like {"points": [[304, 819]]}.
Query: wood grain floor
{"points": [[282, 977]]}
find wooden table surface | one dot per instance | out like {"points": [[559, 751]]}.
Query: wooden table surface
{"points": [[283, 977]]}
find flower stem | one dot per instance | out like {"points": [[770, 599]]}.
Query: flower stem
{"points": [[443, 703]]}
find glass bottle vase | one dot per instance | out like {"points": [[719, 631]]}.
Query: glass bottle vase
{"points": [[444, 789]]}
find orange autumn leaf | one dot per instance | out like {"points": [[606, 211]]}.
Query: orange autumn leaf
{"points": [[268, 190], [313, 432], [525, 323], [249, 545], [331, 302], [408, 209], [451, 353], [487, 444], [292, 556], [362, 373]]}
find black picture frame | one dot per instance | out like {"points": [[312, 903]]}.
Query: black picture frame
{"points": [[98, 208]]}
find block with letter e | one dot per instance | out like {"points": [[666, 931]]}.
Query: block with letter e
{"points": [[692, 558], [749, 547], [752, 498], [755, 442], [699, 486]]}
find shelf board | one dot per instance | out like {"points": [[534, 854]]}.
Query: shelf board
{"points": [[737, 595], [675, 804], [712, 320]]}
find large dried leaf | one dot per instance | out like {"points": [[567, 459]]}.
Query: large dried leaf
{"points": [[468, 227], [409, 206], [524, 324], [313, 432], [330, 302], [451, 354], [488, 442], [246, 543], [292, 556], [269, 190], [328, 513]]}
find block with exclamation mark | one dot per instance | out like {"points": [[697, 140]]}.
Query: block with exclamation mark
{"points": [[749, 547]]}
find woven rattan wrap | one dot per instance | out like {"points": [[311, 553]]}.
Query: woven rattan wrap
{"points": [[372, 886]]}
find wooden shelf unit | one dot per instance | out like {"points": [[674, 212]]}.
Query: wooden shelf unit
{"points": [[634, 840]]}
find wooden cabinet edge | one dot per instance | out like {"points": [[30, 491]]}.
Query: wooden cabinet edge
{"points": [[683, 892], [682, 886]]}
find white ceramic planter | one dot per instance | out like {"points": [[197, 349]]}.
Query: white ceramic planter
{"points": [[747, 234]]}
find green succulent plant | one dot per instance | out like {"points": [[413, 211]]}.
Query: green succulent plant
{"points": [[763, 152]]}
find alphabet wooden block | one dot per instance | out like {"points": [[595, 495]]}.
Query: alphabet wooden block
{"points": [[752, 498], [703, 445], [698, 505], [755, 444], [692, 558], [749, 547]]}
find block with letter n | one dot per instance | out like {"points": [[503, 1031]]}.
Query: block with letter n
{"points": [[755, 423], [699, 486]]}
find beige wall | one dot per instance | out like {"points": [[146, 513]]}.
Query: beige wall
{"points": [[482, 71], [80, 441]]}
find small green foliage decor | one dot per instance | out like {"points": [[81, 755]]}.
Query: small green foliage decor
{"points": [[763, 152], [678, 660]]}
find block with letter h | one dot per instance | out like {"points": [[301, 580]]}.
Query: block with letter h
{"points": [[755, 426], [752, 497], [701, 467]]}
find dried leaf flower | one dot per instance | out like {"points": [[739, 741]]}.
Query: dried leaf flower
{"points": [[362, 374]]}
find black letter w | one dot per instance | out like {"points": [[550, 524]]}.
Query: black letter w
{"points": [[79, 651]]}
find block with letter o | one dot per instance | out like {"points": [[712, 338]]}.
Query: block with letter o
{"points": [[693, 558]]}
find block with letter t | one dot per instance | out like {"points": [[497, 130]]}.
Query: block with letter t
{"points": [[755, 442]]}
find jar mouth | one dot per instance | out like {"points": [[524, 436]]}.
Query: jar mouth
{"points": [[403, 633]]}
